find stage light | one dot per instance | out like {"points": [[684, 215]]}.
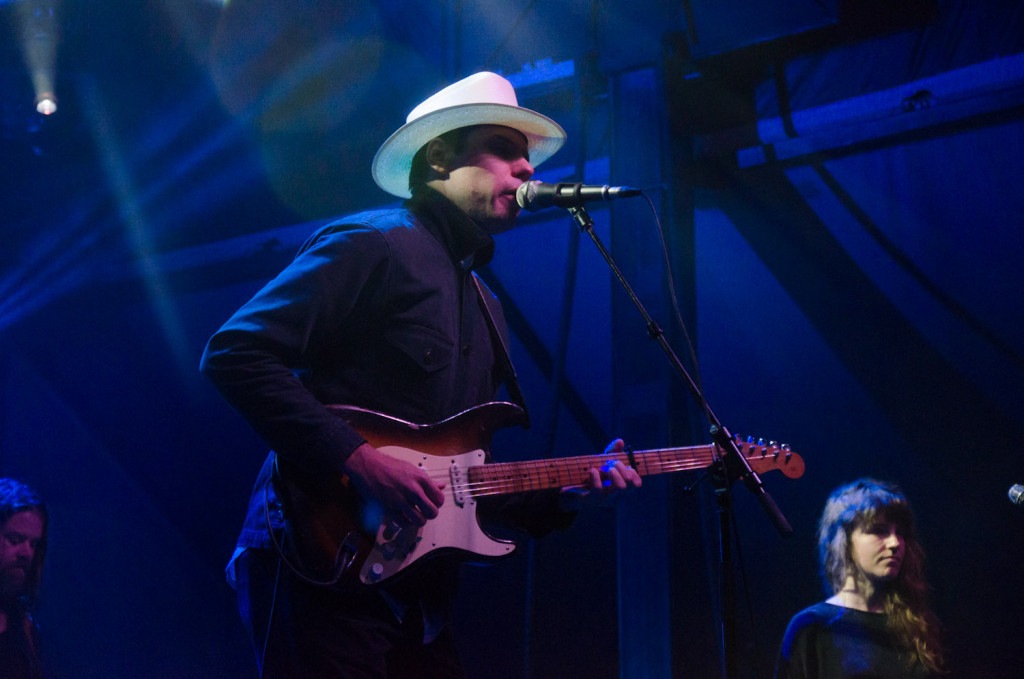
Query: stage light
{"points": [[40, 32], [46, 104]]}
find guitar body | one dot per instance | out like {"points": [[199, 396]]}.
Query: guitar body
{"points": [[332, 534]]}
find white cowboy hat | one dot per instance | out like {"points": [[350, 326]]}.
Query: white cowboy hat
{"points": [[481, 99]]}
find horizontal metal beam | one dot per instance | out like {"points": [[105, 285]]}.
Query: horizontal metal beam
{"points": [[979, 94]]}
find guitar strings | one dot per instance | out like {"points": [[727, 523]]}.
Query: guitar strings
{"points": [[552, 473], [539, 478]]}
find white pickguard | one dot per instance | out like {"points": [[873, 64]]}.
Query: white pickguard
{"points": [[455, 527]]}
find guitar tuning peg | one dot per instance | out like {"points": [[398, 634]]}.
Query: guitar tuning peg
{"points": [[750, 439], [773, 444], [760, 442]]}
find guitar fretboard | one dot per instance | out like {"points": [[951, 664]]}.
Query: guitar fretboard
{"points": [[521, 477]]}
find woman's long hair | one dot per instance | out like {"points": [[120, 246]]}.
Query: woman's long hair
{"points": [[16, 497], [905, 600]]}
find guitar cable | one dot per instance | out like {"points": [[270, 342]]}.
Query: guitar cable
{"points": [[349, 552], [279, 548], [270, 617]]}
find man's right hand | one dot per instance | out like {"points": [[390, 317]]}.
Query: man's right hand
{"points": [[406, 494]]}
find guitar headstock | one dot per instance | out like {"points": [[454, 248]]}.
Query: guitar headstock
{"points": [[765, 456]]}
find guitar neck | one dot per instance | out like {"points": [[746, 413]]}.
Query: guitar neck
{"points": [[471, 431], [521, 477]]}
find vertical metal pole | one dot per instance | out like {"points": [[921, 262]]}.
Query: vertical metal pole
{"points": [[727, 581], [641, 384]]}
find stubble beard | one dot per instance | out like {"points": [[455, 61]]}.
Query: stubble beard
{"points": [[13, 583]]}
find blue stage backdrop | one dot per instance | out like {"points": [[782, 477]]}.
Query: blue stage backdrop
{"points": [[841, 216]]}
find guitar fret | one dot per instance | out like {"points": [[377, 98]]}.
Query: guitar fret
{"points": [[538, 475], [549, 474]]}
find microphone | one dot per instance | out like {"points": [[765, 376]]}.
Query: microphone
{"points": [[534, 195], [1016, 494]]}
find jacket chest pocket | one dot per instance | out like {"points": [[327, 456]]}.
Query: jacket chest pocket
{"points": [[427, 348]]}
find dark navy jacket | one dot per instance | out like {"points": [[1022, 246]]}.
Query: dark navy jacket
{"points": [[377, 310]]}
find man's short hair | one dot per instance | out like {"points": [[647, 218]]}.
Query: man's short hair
{"points": [[455, 139]]}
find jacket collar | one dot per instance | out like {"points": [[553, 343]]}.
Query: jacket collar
{"points": [[467, 244]]}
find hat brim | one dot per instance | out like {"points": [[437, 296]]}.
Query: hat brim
{"points": [[393, 161]]}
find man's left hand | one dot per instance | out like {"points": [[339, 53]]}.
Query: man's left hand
{"points": [[604, 483]]}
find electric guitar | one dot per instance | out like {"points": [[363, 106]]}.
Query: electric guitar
{"points": [[331, 532]]}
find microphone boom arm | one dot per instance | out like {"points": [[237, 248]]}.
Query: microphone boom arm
{"points": [[718, 431]]}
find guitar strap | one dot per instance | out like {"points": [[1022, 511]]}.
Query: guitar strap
{"points": [[511, 379]]}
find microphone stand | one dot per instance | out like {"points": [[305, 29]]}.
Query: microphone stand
{"points": [[732, 465]]}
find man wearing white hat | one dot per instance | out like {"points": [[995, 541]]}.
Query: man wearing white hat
{"points": [[382, 311]]}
